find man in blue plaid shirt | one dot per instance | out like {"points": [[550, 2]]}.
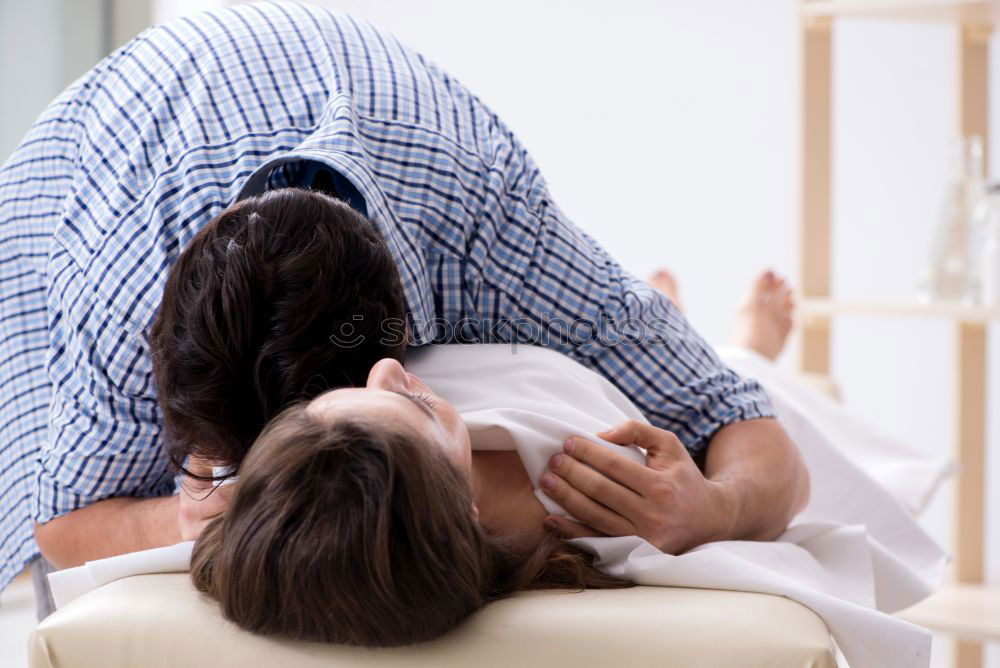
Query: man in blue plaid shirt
{"points": [[125, 167]]}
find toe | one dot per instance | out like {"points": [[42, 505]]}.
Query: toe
{"points": [[783, 308], [663, 275], [764, 281], [664, 281], [761, 285], [780, 300]]}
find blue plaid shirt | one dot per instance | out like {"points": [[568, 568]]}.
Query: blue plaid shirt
{"points": [[124, 167]]}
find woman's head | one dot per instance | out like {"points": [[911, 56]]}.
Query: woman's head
{"points": [[354, 522], [279, 298], [347, 530]]}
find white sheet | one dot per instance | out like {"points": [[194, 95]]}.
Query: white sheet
{"points": [[852, 555], [902, 469]]}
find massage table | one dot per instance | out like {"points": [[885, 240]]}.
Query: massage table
{"points": [[161, 620]]}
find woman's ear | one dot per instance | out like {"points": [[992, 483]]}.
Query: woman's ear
{"points": [[475, 512]]}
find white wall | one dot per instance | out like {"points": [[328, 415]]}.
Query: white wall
{"points": [[44, 46], [657, 124], [895, 115]]}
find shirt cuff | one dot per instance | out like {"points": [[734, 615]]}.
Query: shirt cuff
{"points": [[51, 499], [747, 400]]}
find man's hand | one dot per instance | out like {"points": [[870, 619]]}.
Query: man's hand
{"points": [[200, 501], [668, 502], [754, 483]]}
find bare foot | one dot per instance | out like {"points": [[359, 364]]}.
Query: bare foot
{"points": [[665, 282], [765, 317]]}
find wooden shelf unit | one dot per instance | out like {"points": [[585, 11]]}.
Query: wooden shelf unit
{"points": [[940, 11], [826, 308], [969, 611], [975, 22]]}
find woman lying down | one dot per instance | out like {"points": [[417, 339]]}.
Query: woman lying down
{"points": [[386, 514]]}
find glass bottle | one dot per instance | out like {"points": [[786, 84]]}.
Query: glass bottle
{"points": [[984, 251], [945, 276], [988, 252]]}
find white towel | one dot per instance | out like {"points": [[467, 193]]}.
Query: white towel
{"points": [[71, 583], [852, 555]]}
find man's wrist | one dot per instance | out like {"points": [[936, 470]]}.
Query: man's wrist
{"points": [[727, 504], [763, 479], [155, 521], [108, 528]]}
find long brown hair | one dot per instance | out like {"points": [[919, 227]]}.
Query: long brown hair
{"points": [[350, 532]]}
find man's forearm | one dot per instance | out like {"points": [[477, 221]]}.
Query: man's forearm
{"points": [[761, 475], [108, 528]]}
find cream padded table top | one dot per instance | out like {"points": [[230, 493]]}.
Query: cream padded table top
{"points": [[161, 620]]}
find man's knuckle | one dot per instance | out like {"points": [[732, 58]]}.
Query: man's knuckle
{"points": [[602, 488], [584, 485], [662, 490], [591, 517], [650, 518], [612, 465]]}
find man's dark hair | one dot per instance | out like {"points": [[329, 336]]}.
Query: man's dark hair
{"points": [[279, 298]]}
